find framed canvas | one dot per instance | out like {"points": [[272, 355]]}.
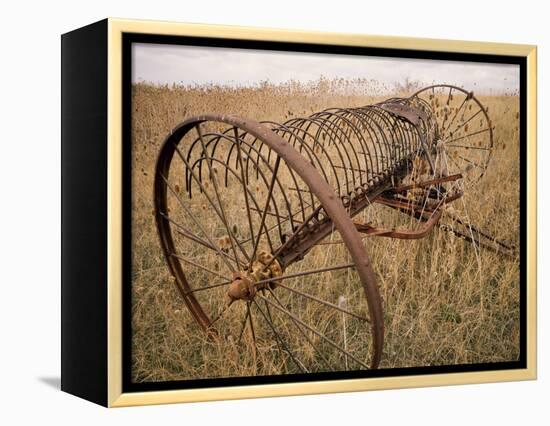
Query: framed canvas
{"points": [[254, 212]]}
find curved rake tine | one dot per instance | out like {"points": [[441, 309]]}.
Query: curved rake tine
{"points": [[232, 238], [264, 213]]}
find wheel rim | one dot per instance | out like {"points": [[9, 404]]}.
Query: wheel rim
{"points": [[274, 309]]}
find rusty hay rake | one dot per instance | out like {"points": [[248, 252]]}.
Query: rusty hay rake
{"points": [[262, 224]]}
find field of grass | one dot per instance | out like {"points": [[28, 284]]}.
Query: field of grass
{"points": [[444, 301]]}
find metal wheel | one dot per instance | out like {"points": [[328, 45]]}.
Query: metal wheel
{"points": [[464, 130], [233, 200]]}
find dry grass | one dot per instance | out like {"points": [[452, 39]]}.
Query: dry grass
{"points": [[443, 305]]}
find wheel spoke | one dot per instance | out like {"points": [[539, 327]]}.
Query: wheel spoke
{"points": [[458, 168], [284, 219], [270, 317], [299, 327], [224, 310], [271, 228], [251, 323], [209, 287], [315, 331], [190, 235], [194, 219], [469, 147], [279, 338], [304, 273], [197, 265], [243, 323], [473, 163], [462, 124], [454, 116], [277, 216], [324, 302], [468, 135]]}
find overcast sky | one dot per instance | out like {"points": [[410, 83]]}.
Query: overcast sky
{"points": [[167, 64]]}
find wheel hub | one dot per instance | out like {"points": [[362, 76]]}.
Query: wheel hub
{"points": [[248, 281]]}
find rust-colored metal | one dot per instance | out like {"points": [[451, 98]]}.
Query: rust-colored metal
{"points": [[402, 234], [412, 206], [427, 183], [262, 273], [300, 181]]}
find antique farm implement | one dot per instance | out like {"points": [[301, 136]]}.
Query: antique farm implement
{"points": [[263, 224]]}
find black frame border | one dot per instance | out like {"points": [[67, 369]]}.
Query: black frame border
{"points": [[129, 38], [84, 187]]}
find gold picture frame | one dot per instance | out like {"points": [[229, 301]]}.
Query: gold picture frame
{"points": [[112, 393]]}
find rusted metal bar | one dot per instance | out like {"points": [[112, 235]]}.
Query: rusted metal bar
{"points": [[427, 183], [365, 228]]}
